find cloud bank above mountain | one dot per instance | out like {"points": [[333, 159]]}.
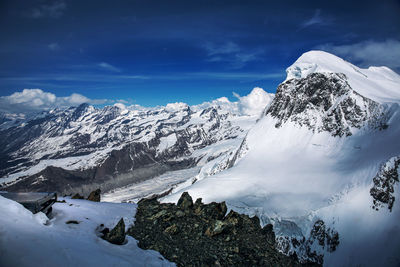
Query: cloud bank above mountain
{"points": [[255, 102], [34, 100], [30, 101]]}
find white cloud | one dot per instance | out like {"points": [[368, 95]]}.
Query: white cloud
{"points": [[255, 102], [53, 46], [252, 104], [368, 53], [55, 9], [34, 100], [109, 67]]}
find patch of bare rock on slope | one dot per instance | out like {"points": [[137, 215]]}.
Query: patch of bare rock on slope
{"points": [[197, 234]]}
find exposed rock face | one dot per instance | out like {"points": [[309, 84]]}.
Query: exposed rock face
{"points": [[325, 102], [308, 249], [94, 195], [201, 235], [185, 202], [117, 234], [326, 237], [385, 181]]}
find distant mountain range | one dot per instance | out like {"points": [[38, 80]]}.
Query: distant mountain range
{"points": [[81, 148]]}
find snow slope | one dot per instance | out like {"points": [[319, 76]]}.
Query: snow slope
{"points": [[28, 239], [295, 169]]}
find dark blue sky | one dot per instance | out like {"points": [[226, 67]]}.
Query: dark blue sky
{"points": [[155, 52]]}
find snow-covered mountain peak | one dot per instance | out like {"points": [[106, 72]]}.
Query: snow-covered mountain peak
{"points": [[316, 61], [380, 84]]}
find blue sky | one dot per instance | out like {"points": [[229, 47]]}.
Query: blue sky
{"points": [[156, 52]]}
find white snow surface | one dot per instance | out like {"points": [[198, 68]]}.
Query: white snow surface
{"points": [[157, 185], [167, 142], [380, 84], [291, 173], [28, 239]]}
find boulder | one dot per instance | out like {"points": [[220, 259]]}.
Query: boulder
{"points": [[94, 195], [117, 234], [77, 196], [185, 202]]}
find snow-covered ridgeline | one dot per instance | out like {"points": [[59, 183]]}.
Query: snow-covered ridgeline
{"points": [[84, 139]]}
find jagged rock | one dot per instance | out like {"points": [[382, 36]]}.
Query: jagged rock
{"points": [[269, 232], [117, 234], [326, 237], [77, 196], [213, 210], [94, 195], [203, 236], [217, 228], [185, 202], [311, 249], [382, 191], [325, 102]]}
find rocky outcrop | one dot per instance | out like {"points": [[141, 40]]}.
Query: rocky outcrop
{"points": [[321, 238], [325, 102], [197, 234], [77, 196], [324, 236], [116, 235], [384, 185], [94, 195]]}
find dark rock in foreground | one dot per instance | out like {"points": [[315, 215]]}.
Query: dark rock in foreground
{"points": [[197, 234], [77, 196], [94, 195], [117, 234]]}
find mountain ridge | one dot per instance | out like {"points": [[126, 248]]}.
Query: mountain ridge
{"points": [[93, 147]]}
